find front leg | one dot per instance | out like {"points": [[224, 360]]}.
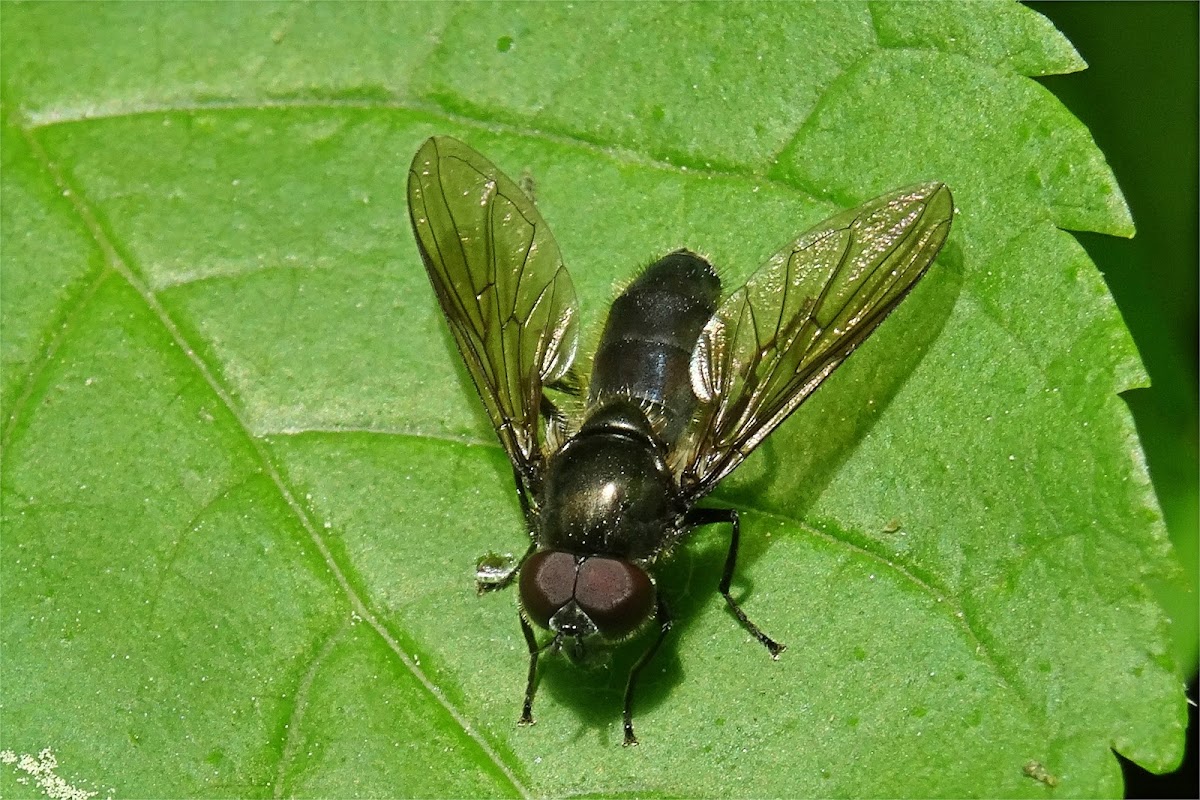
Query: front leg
{"points": [[663, 618], [531, 680], [708, 516], [494, 571]]}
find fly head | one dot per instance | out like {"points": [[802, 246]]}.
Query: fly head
{"points": [[588, 602]]}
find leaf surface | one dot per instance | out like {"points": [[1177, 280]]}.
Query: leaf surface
{"points": [[245, 477]]}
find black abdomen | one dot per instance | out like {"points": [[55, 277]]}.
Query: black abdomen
{"points": [[646, 349]]}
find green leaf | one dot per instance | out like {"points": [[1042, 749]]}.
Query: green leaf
{"points": [[245, 478]]}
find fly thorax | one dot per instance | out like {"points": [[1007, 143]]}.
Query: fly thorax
{"points": [[608, 491]]}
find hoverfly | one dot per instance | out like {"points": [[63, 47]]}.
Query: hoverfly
{"points": [[683, 385]]}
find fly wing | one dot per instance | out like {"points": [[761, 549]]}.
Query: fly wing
{"points": [[500, 280], [772, 343]]}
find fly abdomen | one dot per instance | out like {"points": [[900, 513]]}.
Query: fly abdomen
{"points": [[652, 328]]}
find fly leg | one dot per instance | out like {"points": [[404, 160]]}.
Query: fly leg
{"points": [[663, 617], [531, 682], [570, 383], [556, 424], [494, 571], [708, 516], [555, 420], [524, 490]]}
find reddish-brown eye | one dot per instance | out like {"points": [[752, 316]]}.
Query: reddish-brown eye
{"points": [[547, 583], [616, 595]]}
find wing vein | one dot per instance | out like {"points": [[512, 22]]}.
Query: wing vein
{"points": [[825, 294]]}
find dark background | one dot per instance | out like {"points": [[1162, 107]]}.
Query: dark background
{"points": [[1139, 98]]}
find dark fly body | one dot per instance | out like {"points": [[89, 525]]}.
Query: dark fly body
{"points": [[683, 386]]}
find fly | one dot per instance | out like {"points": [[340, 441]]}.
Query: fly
{"points": [[683, 386]]}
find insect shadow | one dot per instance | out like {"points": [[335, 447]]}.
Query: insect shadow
{"points": [[786, 476]]}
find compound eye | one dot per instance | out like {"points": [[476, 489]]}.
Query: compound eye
{"points": [[547, 584], [616, 595]]}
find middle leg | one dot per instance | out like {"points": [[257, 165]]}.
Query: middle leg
{"points": [[708, 516]]}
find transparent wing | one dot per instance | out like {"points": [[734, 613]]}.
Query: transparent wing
{"points": [[499, 277], [772, 343]]}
